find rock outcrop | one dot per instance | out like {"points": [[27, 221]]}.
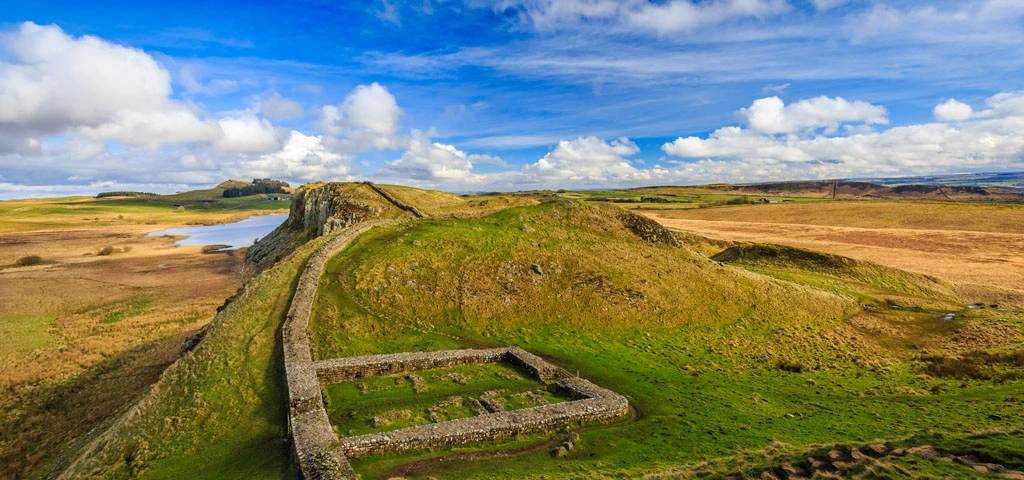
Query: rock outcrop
{"points": [[320, 209]]}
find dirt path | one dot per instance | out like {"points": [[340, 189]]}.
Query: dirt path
{"points": [[962, 257], [413, 468]]}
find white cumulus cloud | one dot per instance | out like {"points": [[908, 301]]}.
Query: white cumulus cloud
{"points": [[952, 111], [772, 115], [53, 81], [983, 140], [247, 133], [587, 160], [303, 157], [426, 162], [368, 117]]}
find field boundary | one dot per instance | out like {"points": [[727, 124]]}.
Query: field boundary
{"points": [[321, 455]]}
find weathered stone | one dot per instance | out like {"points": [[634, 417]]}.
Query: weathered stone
{"points": [[792, 470], [418, 384], [924, 451], [836, 454], [877, 450]]}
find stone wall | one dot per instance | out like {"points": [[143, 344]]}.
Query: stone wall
{"points": [[597, 404], [534, 365], [338, 370], [311, 432], [386, 194]]}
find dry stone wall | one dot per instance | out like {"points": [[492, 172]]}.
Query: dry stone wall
{"points": [[398, 203], [337, 370], [312, 435], [596, 404], [322, 456]]}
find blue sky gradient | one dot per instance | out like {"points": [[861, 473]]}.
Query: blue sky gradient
{"points": [[514, 94]]}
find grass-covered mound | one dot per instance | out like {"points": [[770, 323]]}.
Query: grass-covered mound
{"points": [[776, 258], [439, 204], [322, 208], [560, 264]]}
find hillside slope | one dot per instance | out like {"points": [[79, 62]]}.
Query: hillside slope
{"points": [[714, 357], [221, 410]]}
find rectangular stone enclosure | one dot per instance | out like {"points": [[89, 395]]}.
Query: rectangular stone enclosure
{"points": [[590, 402]]}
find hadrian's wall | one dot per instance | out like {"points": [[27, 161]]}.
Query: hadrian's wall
{"points": [[312, 435], [398, 203], [321, 456]]}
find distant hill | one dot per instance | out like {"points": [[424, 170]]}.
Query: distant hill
{"points": [[1007, 180], [858, 190]]}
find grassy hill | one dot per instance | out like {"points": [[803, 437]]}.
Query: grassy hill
{"points": [[766, 351]]}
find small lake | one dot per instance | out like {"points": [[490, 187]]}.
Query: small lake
{"points": [[235, 235]]}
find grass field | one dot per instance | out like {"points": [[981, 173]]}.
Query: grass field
{"points": [[194, 208], [102, 311], [799, 364], [681, 198]]}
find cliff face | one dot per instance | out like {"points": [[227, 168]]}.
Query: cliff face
{"points": [[320, 209]]}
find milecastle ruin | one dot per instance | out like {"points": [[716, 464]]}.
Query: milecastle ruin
{"points": [[321, 455]]}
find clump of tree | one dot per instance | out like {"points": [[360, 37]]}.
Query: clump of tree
{"points": [[29, 260], [124, 194], [258, 186]]}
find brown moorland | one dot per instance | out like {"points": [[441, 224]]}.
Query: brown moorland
{"points": [[95, 317], [977, 246]]}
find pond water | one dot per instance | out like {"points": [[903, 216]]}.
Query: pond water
{"points": [[234, 235]]}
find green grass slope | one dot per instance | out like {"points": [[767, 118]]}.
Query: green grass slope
{"points": [[437, 204], [715, 358], [221, 410]]}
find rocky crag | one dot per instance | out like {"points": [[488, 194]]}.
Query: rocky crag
{"points": [[320, 209]]}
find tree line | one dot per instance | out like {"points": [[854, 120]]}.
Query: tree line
{"points": [[258, 186]]}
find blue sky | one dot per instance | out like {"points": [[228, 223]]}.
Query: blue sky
{"points": [[504, 95]]}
